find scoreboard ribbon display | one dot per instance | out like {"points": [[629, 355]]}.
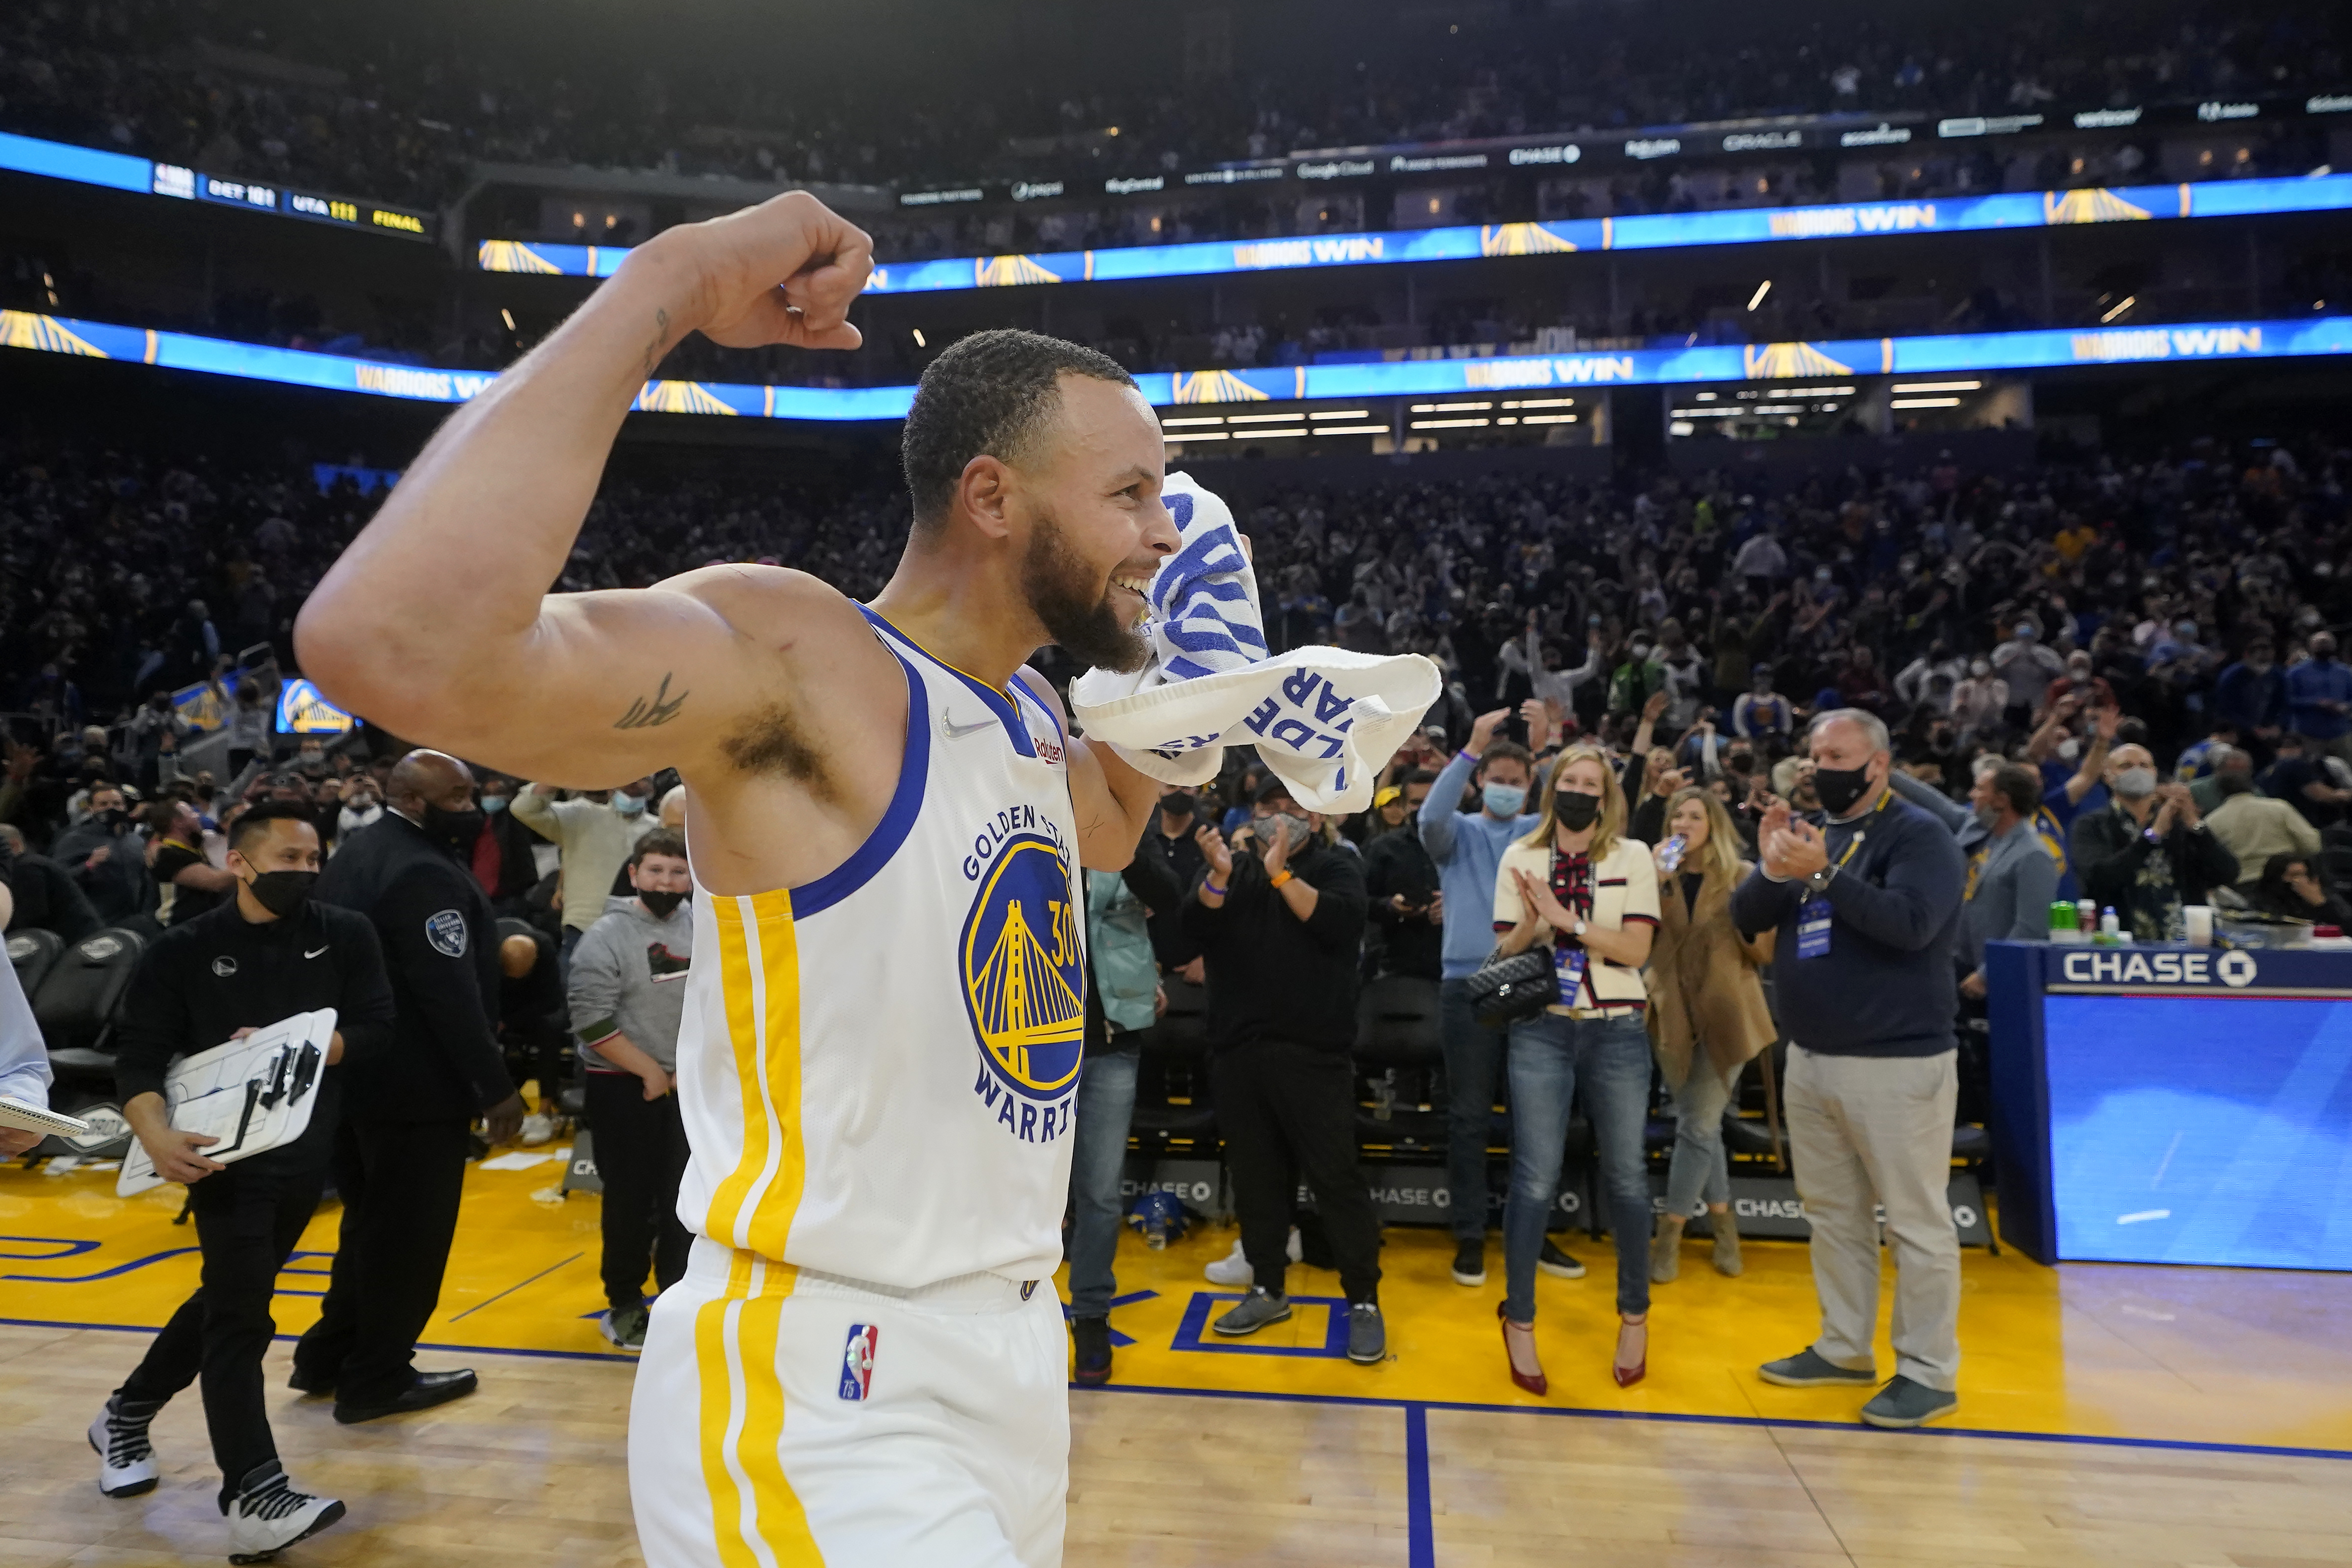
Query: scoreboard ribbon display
{"points": [[2043, 350]]}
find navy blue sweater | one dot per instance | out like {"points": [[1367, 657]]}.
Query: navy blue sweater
{"points": [[1885, 987]]}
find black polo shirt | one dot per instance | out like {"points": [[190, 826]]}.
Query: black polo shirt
{"points": [[204, 979]]}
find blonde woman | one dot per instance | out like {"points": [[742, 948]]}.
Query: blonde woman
{"points": [[1579, 887], [1708, 1016]]}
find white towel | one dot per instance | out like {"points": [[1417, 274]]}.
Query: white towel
{"points": [[1324, 719]]}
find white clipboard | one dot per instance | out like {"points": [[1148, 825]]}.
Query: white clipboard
{"points": [[253, 1095]]}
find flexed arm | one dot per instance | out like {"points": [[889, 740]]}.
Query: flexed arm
{"points": [[438, 622]]}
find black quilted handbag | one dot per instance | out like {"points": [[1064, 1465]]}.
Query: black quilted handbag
{"points": [[1506, 989]]}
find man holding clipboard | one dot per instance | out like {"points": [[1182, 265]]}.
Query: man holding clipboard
{"points": [[268, 954]]}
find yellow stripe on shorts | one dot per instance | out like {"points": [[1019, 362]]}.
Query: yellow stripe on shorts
{"points": [[759, 970], [756, 1519]]}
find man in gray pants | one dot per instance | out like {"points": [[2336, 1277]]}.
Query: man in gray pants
{"points": [[1868, 909]]}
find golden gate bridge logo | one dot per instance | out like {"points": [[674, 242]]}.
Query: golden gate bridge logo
{"points": [[1024, 981]]}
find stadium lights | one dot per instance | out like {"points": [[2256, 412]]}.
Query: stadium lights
{"points": [[1451, 407], [1268, 434], [1261, 419], [1936, 386], [2126, 303], [1199, 435], [1353, 430], [507, 316], [1541, 402], [1761, 290], [919, 342], [1207, 419], [1706, 397], [1923, 403], [1450, 423], [1347, 413], [1803, 392], [1549, 419]]}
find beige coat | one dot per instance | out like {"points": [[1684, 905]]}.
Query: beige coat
{"points": [[1702, 979]]}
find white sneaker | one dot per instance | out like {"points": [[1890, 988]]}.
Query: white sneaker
{"points": [[268, 1514], [1231, 1269], [126, 1460], [537, 1129], [1234, 1268]]}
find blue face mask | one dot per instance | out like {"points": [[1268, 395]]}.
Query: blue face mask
{"points": [[1504, 800], [494, 804], [629, 805]]}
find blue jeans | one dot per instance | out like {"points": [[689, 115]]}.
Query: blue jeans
{"points": [[1698, 1169], [1473, 1052], [1097, 1158], [1550, 1053]]}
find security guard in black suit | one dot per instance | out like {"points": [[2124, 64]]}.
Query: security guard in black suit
{"points": [[400, 1155]]}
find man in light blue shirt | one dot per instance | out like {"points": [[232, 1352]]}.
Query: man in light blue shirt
{"points": [[1468, 849], [24, 1061]]}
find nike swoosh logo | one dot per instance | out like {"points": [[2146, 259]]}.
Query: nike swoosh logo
{"points": [[957, 731], [314, 953]]}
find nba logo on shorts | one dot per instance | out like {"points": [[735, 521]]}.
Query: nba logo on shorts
{"points": [[857, 1361]]}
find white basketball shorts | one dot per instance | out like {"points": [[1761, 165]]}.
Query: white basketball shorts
{"points": [[783, 1417]]}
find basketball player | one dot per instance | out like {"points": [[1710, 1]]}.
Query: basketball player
{"points": [[885, 813]]}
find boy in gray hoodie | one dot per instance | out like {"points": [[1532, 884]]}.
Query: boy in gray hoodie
{"points": [[626, 993]]}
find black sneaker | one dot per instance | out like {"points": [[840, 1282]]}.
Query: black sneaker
{"points": [[1557, 1263], [1092, 1337], [1470, 1262]]}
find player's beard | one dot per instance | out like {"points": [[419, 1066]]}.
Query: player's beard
{"points": [[1074, 607]]}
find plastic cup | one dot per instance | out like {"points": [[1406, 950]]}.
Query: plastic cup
{"points": [[2198, 920]]}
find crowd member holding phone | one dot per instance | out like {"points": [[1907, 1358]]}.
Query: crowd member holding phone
{"points": [[1468, 847], [1578, 886], [1708, 1017]]}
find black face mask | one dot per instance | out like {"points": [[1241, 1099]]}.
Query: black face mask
{"points": [[283, 892], [661, 904], [1177, 805], [1840, 789], [458, 830], [1576, 810]]}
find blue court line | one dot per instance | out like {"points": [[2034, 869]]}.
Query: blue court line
{"points": [[2179, 1445], [511, 1290], [1420, 1533], [2184, 1444]]}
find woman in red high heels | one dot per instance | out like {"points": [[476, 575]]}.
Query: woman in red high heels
{"points": [[1578, 885]]}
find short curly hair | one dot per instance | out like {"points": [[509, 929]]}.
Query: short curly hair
{"points": [[988, 394]]}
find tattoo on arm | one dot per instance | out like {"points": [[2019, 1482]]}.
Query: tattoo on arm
{"points": [[661, 335], [660, 709]]}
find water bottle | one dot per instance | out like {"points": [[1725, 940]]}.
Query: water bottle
{"points": [[1670, 853], [2110, 929]]}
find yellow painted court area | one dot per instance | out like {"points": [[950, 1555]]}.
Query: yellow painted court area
{"points": [[2197, 1355]]}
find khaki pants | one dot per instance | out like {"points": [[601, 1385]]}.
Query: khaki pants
{"points": [[1866, 1133]]}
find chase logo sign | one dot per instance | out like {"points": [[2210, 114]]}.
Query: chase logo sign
{"points": [[2115, 970], [1025, 988]]}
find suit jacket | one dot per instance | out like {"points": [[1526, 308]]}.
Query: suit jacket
{"points": [[2012, 881], [441, 945], [1703, 984]]}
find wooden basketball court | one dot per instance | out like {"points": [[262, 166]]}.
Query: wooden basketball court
{"points": [[2109, 1415]]}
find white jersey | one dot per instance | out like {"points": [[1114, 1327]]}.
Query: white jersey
{"points": [[877, 1069]]}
